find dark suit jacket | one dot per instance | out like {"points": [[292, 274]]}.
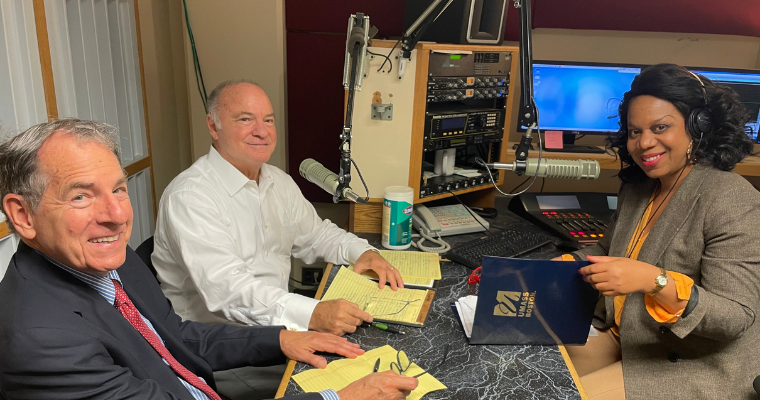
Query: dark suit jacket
{"points": [[60, 339], [709, 232]]}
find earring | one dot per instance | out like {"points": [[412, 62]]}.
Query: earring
{"points": [[688, 153]]}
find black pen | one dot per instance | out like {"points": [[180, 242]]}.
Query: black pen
{"points": [[377, 365], [383, 327]]}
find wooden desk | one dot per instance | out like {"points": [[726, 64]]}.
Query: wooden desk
{"points": [[470, 372], [749, 167]]}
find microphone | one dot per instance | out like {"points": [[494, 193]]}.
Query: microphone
{"points": [[545, 168], [756, 384], [317, 174]]}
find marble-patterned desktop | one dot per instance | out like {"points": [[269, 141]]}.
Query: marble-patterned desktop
{"points": [[470, 372]]}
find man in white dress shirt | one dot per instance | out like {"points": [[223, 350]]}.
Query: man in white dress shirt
{"points": [[228, 226]]}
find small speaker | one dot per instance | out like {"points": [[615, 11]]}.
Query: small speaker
{"points": [[463, 22]]}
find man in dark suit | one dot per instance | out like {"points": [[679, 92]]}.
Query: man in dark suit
{"points": [[82, 316]]}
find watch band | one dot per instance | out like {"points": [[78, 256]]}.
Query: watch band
{"points": [[660, 281]]}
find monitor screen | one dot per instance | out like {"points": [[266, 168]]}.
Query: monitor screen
{"points": [[580, 98], [747, 84]]}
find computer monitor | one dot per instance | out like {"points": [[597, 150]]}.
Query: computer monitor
{"points": [[746, 83], [580, 98]]}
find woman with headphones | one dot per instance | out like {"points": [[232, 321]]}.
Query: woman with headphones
{"points": [[679, 266]]}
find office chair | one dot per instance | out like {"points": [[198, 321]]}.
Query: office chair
{"points": [[144, 250]]}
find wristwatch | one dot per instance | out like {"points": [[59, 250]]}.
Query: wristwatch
{"points": [[660, 281]]}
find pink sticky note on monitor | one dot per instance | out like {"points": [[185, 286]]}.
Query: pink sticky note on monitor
{"points": [[553, 139]]}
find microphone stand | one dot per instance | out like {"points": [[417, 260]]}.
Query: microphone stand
{"points": [[356, 49], [527, 111]]}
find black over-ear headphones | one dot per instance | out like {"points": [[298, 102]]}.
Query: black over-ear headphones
{"points": [[700, 118]]}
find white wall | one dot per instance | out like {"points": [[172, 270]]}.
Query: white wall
{"points": [[238, 39]]}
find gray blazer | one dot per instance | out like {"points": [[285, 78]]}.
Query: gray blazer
{"points": [[708, 231]]}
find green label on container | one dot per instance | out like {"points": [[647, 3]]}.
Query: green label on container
{"points": [[399, 217]]}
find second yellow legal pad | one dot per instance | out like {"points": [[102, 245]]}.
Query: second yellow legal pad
{"points": [[405, 306], [340, 373], [416, 268]]}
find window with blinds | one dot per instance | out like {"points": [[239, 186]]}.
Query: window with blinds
{"points": [[22, 97], [93, 51]]}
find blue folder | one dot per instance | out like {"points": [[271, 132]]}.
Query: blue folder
{"points": [[533, 302]]}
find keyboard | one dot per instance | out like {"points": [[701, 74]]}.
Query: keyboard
{"points": [[510, 242]]}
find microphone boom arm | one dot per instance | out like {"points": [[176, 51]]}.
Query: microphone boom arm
{"points": [[417, 29], [356, 50], [527, 112]]}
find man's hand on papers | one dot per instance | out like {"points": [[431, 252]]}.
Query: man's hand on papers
{"points": [[301, 346], [386, 385], [337, 317], [385, 271]]}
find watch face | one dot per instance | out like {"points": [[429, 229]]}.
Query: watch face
{"points": [[662, 280]]}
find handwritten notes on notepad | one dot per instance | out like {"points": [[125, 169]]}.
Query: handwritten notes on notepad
{"points": [[340, 373], [416, 268], [405, 306]]}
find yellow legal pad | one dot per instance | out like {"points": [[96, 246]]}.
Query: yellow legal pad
{"points": [[416, 268], [340, 373], [405, 306]]}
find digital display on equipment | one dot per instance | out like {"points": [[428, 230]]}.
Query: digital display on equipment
{"points": [[580, 98], [455, 57], [453, 123], [558, 202], [747, 85]]}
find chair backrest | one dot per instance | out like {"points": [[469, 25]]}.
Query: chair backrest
{"points": [[144, 250]]}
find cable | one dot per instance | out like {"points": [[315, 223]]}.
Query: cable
{"points": [[519, 184], [387, 58], [442, 245], [196, 62], [543, 180], [480, 161], [366, 190]]}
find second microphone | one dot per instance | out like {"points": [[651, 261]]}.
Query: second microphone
{"points": [[546, 168]]}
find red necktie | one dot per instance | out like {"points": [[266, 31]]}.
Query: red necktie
{"points": [[128, 310]]}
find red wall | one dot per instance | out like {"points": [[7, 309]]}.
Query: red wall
{"points": [[316, 36]]}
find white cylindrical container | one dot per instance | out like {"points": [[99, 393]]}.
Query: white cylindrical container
{"points": [[397, 217]]}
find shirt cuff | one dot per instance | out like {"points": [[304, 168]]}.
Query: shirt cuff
{"points": [[357, 249], [329, 394], [683, 290], [297, 312]]}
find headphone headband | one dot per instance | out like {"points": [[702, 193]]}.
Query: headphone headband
{"points": [[701, 84]]}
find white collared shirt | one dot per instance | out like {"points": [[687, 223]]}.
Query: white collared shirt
{"points": [[223, 244]]}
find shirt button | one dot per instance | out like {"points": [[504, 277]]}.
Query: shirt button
{"points": [[293, 328], [266, 226], [664, 330]]}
